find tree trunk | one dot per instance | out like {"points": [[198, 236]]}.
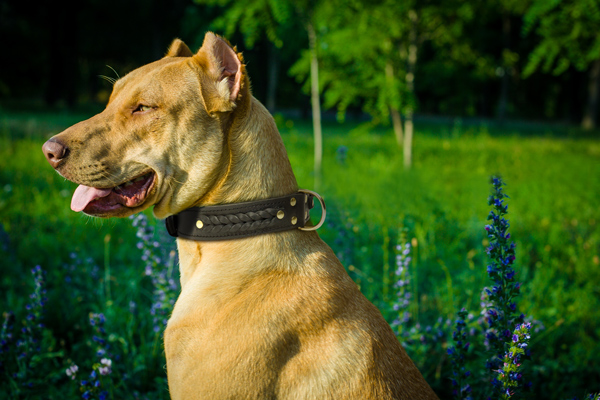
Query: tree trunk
{"points": [[316, 105], [590, 116], [407, 149], [410, 86], [273, 71], [397, 123], [395, 114]]}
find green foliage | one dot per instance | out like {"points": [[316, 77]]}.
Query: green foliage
{"points": [[372, 68], [464, 59], [441, 202], [252, 18], [28, 356], [458, 354], [363, 51], [569, 34]]}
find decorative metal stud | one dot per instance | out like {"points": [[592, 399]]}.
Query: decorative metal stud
{"points": [[199, 224], [280, 214], [293, 201], [294, 220]]}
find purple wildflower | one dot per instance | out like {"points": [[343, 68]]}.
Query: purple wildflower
{"points": [[21, 349], [341, 154], [6, 338], [30, 341], [105, 366], [509, 375], [498, 304], [457, 353], [72, 371], [159, 264], [94, 385], [403, 280]]}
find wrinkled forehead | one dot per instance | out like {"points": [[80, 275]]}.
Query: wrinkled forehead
{"points": [[152, 79]]}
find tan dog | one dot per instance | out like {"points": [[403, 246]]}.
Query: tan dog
{"points": [[273, 316]]}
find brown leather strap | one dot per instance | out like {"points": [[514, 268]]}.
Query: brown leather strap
{"points": [[232, 221]]}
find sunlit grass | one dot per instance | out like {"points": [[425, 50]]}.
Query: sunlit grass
{"points": [[552, 179]]}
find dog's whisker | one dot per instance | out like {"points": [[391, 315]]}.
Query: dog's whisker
{"points": [[108, 79], [116, 73]]}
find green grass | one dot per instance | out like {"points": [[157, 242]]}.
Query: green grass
{"points": [[552, 179]]}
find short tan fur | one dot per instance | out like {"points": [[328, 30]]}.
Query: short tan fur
{"points": [[274, 316]]}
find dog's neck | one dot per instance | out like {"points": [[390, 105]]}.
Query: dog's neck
{"points": [[232, 263], [255, 166]]}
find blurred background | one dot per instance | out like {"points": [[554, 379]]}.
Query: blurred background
{"points": [[397, 112], [529, 60]]}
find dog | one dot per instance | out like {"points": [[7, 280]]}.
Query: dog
{"points": [[272, 316]]}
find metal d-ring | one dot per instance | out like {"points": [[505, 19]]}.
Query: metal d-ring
{"points": [[323, 213]]}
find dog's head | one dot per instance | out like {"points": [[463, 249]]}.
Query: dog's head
{"points": [[160, 141]]}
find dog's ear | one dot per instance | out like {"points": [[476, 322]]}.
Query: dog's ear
{"points": [[179, 49], [224, 70]]}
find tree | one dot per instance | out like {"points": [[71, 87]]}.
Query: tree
{"points": [[569, 38], [364, 64], [361, 62], [255, 17], [370, 55], [307, 10]]}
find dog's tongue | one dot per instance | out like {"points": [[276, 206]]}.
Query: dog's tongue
{"points": [[84, 195]]}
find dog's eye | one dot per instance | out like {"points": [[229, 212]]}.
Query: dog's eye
{"points": [[142, 108]]}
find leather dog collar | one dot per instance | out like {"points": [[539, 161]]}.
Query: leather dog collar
{"points": [[239, 220]]}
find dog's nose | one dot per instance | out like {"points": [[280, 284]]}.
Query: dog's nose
{"points": [[54, 151]]}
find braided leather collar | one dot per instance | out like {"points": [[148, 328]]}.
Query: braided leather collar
{"points": [[238, 220]]}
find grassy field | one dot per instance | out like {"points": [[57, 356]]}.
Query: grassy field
{"points": [[94, 266]]}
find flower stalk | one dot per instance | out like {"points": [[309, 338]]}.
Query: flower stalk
{"points": [[510, 375], [457, 353], [403, 294], [500, 309]]}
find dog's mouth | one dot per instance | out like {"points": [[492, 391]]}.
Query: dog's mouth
{"points": [[95, 201]]}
